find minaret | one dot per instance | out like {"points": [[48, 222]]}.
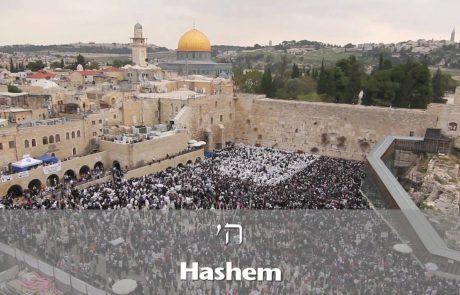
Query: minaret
{"points": [[452, 36], [139, 47]]}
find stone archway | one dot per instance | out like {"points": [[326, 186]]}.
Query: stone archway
{"points": [[52, 180], [70, 175], [15, 191], [35, 185], [84, 171]]}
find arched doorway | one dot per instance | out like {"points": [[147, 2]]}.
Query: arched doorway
{"points": [[84, 171], [15, 191], [35, 186], [116, 165], [198, 160], [52, 180], [180, 165], [69, 175], [189, 162], [98, 169], [99, 166]]}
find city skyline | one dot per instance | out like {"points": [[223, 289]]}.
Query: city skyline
{"points": [[227, 23]]}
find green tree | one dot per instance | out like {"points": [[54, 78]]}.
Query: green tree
{"points": [[62, 63], [13, 88], [12, 68], [35, 65], [438, 87], [322, 80], [266, 84], [295, 71], [80, 61]]}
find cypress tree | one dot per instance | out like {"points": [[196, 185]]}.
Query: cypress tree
{"points": [[266, 85], [295, 71], [322, 81]]}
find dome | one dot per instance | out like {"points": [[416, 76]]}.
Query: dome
{"points": [[194, 40], [138, 26]]}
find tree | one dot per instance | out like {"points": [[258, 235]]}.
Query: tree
{"points": [[62, 63], [13, 88], [55, 65], [35, 65], [381, 61], [322, 80], [266, 84], [437, 85], [295, 71], [12, 68], [80, 60]]}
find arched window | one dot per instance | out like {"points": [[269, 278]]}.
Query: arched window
{"points": [[26, 143], [212, 120], [78, 133], [51, 140], [453, 126], [34, 143], [74, 151], [58, 138], [67, 136], [73, 134], [45, 140]]}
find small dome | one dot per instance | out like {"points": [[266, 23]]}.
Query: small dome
{"points": [[138, 26], [194, 40]]}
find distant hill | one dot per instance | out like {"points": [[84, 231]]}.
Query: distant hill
{"points": [[77, 47]]}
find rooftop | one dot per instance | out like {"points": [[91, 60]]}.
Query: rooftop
{"points": [[178, 94]]}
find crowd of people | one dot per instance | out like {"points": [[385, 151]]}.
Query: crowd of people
{"points": [[319, 251], [238, 177]]}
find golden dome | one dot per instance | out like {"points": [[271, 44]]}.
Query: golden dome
{"points": [[194, 40]]}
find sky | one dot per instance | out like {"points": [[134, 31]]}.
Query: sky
{"points": [[229, 22]]}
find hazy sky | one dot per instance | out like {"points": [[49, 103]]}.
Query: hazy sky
{"points": [[238, 22]]}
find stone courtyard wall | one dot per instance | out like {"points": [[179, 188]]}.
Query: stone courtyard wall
{"points": [[338, 130]]}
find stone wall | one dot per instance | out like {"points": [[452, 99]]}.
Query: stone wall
{"points": [[338, 130], [139, 154]]}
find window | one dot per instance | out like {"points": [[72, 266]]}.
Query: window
{"points": [[411, 133], [11, 144], [67, 135], [93, 122], [74, 151], [94, 133], [221, 118], [51, 140], [215, 104], [45, 140], [452, 126], [1, 146], [73, 134], [26, 144], [115, 116], [100, 121], [212, 120], [34, 143], [231, 116], [58, 138], [78, 133]]}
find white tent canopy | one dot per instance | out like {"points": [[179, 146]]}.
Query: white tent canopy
{"points": [[430, 266], [124, 287], [27, 161], [402, 248], [117, 242], [199, 143]]}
